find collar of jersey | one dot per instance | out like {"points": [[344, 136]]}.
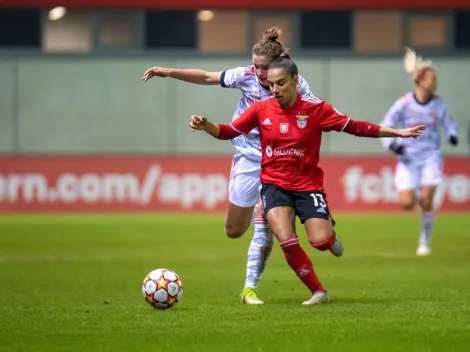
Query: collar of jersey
{"points": [[289, 109]]}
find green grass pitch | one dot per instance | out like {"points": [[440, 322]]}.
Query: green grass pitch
{"points": [[73, 283]]}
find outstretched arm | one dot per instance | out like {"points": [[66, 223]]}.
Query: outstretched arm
{"points": [[393, 119], [243, 125], [331, 120], [371, 130], [187, 75]]}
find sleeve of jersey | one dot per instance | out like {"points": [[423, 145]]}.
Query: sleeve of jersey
{"points": [[392, 120], [304, 89], [243, 125], [232, 78], [362, 129], [333, 120], [449, 124]]}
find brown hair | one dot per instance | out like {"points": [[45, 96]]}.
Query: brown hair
{"points": [[269, 45], [286, 63]]}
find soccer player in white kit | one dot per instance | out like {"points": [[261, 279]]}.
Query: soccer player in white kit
{"points": [[420, 160], [245, 185]]}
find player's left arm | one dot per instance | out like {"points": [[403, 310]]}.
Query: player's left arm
{"points": [[332, 120], [450, 126]]}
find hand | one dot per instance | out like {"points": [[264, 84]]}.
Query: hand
{"points": [[154, 72], [454, 140], [397, 148], [412, 132], [198, 123]]}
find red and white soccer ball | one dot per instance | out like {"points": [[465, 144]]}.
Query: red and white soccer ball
{"points": [[162, 288]]}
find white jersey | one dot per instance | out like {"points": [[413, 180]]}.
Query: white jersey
{"points": [[244, 78], [406, 112]]}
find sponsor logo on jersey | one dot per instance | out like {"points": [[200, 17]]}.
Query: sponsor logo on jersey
{"points": [[289, 151], [269, 151]]}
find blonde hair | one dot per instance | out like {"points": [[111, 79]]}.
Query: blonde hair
{"points": [[415, 66], [269, 45]]}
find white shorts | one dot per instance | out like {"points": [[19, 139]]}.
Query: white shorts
{"points": [[245, 186], [413, 175]]}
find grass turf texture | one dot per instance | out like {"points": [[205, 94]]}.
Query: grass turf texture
{"points": [[74, 283]]}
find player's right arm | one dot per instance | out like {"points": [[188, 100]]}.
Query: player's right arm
{"points": [[392, 119], [187, 75], [243, 125]]}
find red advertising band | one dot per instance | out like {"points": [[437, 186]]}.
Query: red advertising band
{"points": [[109, 184], [246, 4]]}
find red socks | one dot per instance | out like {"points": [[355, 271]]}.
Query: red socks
{"points": [[299, 261]]}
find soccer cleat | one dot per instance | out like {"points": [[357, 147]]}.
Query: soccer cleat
{"points": [[423, 250], [249, 296], [319, 297], [337, 248]]}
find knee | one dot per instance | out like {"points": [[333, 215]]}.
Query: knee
{"points": [[426, 204], [233, 231], [259, 209], [407, 199], [408, 205], [320, 237]]}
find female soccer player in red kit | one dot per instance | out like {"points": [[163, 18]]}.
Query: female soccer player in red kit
{"points": [[292, 182]]}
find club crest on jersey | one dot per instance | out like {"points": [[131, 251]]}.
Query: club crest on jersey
{"points": [[284, 127], [302, 120]]}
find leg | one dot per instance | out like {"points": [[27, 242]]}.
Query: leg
{"points": [[406, 183], [314, 213], [258, 253], [278, 205], [427, 219], [320, 233], [237, 220], [407, 199], [431, 177], [243, 195]]}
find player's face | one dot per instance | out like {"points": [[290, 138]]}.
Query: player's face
{"points": [[261, 64], [429, 81], [283, 86]]}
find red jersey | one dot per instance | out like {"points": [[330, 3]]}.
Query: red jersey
{"points": [[290, 139]]}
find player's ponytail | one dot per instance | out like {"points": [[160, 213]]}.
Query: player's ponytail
{"points": [[269, 45], [414, 65]]}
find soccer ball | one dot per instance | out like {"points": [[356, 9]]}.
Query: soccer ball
{"points": [[162, 288]]}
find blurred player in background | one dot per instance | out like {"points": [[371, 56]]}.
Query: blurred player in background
{"points": [[290, 129], [244, 187], [420, 161]]}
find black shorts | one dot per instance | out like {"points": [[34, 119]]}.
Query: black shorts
{"points": [[307, 205]]}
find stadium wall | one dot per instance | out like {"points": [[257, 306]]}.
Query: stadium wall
{"points": [[100, 106]]}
